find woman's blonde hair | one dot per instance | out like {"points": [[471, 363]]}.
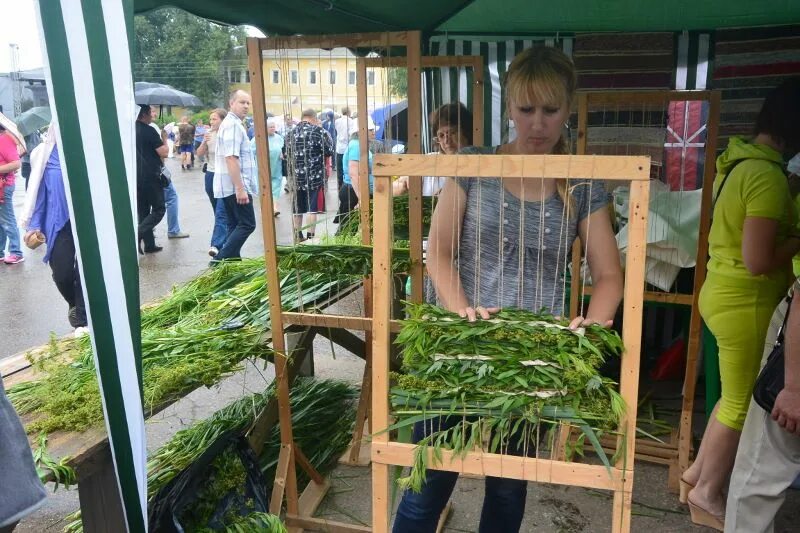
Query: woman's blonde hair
{"points": [[546, 76]]}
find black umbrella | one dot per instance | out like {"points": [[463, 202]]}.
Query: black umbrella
{"points": [[148, 93]]}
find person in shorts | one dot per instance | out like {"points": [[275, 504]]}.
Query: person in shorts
{"points": [[307, 147]]}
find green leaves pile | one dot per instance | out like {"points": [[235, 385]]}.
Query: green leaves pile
{"points": [[350, 224], [353, 259], [323, 414], [496, 381]]}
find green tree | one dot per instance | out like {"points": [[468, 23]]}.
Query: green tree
{"points": [[187, 52], [398, 81]]}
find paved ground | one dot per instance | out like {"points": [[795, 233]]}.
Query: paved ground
{"points": [[37, 309]]}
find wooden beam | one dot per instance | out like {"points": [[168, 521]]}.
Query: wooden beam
{"points": [[321, 524], [281, 476], [345, 339], [335, 321], [271, 264], [507, 466], [414, 72], [426, 61], [632, 339], [616, 168], [345, 40], [575, 294], [656, 296], [696, 321], [312, 496], [477, 100]]}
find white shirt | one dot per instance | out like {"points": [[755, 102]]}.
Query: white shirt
{"points": [[345, 127], [232, 141]]}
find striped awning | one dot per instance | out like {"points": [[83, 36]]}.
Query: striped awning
{"points": [[88, 69]]}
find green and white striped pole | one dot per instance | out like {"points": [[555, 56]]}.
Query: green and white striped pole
{"points": [[88, 73]]}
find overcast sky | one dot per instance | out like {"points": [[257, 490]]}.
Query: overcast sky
{"points": [[19, 27]]}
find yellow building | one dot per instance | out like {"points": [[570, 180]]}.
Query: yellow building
{"points": [[295, 80]]}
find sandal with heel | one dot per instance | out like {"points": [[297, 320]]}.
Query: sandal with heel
{"points": [[703, 517]]}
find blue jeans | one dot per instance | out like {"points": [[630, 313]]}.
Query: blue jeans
{"points": [[241, 223], [220, 232], [171, 201], [8, 223], [503, 503]]}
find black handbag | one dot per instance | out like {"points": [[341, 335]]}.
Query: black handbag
{"points": [[770, 380]]}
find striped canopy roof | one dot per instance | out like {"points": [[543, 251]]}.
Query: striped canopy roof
{"points": [[487, 16]]}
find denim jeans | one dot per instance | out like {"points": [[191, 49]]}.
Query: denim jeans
{"points": [[8, 223], [220, 232], [241, 223], [171, 201], [503, 502]]}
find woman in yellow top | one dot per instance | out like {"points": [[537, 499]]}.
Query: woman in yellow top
{"points": [[753, 238]]}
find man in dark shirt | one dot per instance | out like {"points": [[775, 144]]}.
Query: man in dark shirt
{"points": [[150, 193], [307, 146]]}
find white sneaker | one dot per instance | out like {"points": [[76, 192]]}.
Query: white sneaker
{"points": [[80, 332], [213, 251]]}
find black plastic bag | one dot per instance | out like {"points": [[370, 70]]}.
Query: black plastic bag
{"points": [[168, 505]]}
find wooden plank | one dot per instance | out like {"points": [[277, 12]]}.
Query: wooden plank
{"points": [[335, 321], [632, 339], [282, 474], [312, 496], [616, 168], [362, 413], [507, 466], [477, 100], [381, 342], [273, 283], [100, 499], [345, 339], [643, 97], [305, 464], [347, 40], [321, 524], [414, 71], [575, 294], [426, 61], [657, 297], [444, 516], [696, 321]]}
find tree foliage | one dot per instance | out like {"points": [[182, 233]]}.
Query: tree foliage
{"points": [[398, 82], [186, 52]]}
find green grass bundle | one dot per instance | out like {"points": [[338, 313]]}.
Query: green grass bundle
{"points": [[323, 415], [501, 377], [350, 224], [345, 258]]}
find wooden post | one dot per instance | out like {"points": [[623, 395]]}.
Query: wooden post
{"points": [[575, 293], [414, 71], [271, 263], [477, 102], [632, 339], [696, 322], [381, 316]]}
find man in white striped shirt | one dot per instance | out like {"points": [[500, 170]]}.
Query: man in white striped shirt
{"points": [[235, 177]]}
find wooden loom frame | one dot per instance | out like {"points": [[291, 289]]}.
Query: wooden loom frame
{"points": [[364, 413], [675, 455], [386, 453], [300, 510]]}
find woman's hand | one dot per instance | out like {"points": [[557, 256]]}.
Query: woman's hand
{"points": [[581, 322], [472, 313]]}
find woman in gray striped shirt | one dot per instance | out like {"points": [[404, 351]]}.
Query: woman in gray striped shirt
{"points": [[505, 243]]}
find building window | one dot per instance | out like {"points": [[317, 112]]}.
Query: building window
{"points": [[247, 76], [276, 76], [332, 77], [234, 76], [351, 77], [293, 76], [371, 77], [312, 77]]}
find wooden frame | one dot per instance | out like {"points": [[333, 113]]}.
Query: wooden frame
{"points": [[353, 456], [299, 512], [386, 453], [677, 462]]}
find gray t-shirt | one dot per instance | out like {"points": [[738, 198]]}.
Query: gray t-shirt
{"points": [[514, 257]]}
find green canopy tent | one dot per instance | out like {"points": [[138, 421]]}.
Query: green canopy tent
{"points": [[98, 155]]}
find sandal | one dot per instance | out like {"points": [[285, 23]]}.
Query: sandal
{"points": [[702, 517]]}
